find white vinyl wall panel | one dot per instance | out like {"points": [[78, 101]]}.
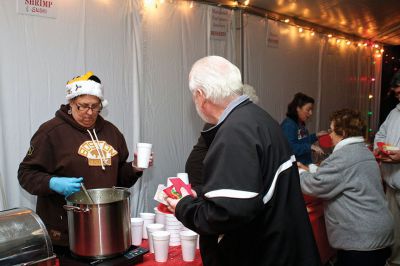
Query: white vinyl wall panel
{"points": [[278, 73], [174, 37], [335, 75], [39, 55]]}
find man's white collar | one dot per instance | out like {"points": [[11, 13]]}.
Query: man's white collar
{"points": [[347, 141]]}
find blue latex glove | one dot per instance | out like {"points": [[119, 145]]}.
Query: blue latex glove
{"points": [[65, 185]]}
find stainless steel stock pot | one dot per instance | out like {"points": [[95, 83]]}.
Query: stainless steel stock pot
{"points": [[102, 229]]}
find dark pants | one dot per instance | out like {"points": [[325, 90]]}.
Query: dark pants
{"points": [[363, 258]]}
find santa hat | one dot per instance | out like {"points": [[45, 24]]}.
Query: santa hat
{"points": [[87, 84]]}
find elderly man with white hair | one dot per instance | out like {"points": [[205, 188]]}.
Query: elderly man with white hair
{"points": [[250, 210]]}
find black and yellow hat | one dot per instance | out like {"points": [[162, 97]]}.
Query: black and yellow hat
{"points": [[87, 84]]}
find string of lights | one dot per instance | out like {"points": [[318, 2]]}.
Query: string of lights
{"points": [[332, 36]]}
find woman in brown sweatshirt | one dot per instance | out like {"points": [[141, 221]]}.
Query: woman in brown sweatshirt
{"points": [[76, 146]]}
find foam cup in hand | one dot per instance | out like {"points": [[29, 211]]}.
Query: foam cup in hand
{"points": [[143, 154]]}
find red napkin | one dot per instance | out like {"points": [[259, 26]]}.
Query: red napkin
{"points": [[384, 147], [163, 208], [325, 141], [174, 191]]}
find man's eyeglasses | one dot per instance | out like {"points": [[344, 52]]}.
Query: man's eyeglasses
{"points": [[96, 108]]}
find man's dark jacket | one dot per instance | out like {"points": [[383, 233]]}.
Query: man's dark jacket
{"points": [[251, 210]]}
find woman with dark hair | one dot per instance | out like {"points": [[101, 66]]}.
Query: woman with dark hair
{"points": [[294, 127], [77, 145], [357, 217]]}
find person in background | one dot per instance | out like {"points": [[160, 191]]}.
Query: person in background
{"points": [[294, 127], [389, 133], [252, 212], [194, 163], [358, 221], [76, 146]]}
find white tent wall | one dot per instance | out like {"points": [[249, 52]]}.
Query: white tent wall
{"points": [[38, 55], [128, 46], [278, 73], [174, 37], [143, 56], [341, 69], [335, 75]]}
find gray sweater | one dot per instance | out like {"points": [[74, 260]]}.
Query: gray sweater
{"points": [[389, 132], [356, 212]]}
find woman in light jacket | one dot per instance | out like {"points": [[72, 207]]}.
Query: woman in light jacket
{"points": [[358, 221]]}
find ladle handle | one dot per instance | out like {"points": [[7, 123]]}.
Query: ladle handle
{"points": [[87, 194]]}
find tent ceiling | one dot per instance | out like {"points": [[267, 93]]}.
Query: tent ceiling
{"points": [[374, 20]]}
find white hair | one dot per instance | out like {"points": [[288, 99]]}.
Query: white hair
{"points": [[218, 78], [250, 92]]}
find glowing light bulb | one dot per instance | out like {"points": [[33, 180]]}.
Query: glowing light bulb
{"points": [[370, 96], [312, 33], [372, 79], [246, 3], [149, 3], [301, 30], [348, 42], [286, 20], [338, 41]]}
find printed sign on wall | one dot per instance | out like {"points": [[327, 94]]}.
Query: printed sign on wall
{"points": [[42, 8], [220, 20], [273, 34]]}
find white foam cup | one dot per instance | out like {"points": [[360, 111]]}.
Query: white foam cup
{"points": [[136, 231], [184, 177], [160, 216], [150, 229], [148, 218], [161, 245], [188, 244], [143, 154]]}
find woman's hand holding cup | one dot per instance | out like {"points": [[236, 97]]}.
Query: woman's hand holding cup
{"points": [[140, 168]]}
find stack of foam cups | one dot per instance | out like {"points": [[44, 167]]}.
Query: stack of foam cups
{"points": [[151, 228], [173, 226], [160, 216], [148, 218]]}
